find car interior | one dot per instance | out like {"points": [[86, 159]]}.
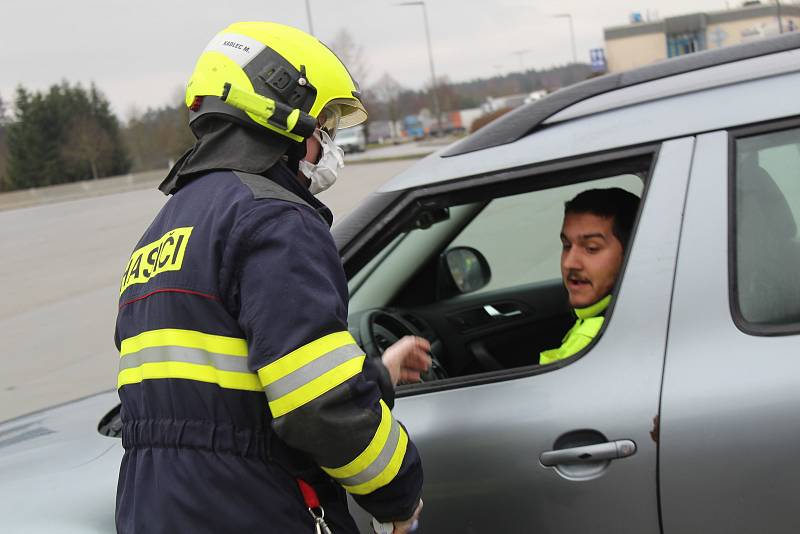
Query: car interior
{"points": [[480, 280], [767, 247]]}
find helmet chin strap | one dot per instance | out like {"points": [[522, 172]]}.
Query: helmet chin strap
{"points": [[294, 154]]}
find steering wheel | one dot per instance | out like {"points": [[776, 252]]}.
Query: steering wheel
{"points": [[380, 329]]}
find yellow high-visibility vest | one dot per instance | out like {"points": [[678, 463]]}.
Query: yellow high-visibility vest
{"points": [[580, 335]]}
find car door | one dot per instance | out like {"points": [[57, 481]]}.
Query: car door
{"points": [[481, 441], [730, 425]]}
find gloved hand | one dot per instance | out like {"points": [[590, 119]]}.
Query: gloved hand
{"points": [[407, 358]]}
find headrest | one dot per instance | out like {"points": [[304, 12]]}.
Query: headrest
{"points": [[761, 198]]}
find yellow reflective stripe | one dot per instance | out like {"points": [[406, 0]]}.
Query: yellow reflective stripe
{"points": [[370, 454], [189, 371], [302, 356], [388, 474], [232, 346], [316, 387]]}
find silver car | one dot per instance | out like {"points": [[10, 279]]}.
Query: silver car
{"points": [[352, 139], [681, 417]]}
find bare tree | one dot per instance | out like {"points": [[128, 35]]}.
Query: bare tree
{"points": [[4, 119], [134, 113], [352, 55], [448, 97], [88, 144], [386, 90]]}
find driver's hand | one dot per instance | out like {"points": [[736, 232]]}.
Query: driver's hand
{"points": [[407, 358], [405, 527]]}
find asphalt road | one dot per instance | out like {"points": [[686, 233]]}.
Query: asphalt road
{"points": [[59, 278], [414, 148]]}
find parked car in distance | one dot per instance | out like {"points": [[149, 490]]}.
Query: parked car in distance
{"points": [[352, 139], [681, 416]]}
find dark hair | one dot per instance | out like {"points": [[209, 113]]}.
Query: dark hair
{"points": [[613, 202]]}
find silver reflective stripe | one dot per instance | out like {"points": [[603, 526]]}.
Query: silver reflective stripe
{"points": [[311, 370], [222, 362], [379, 464]]}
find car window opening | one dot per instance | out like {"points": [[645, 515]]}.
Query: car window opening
{"points": [[483, 282]]}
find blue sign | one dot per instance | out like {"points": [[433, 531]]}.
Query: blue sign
{"points": [[598, 60]]}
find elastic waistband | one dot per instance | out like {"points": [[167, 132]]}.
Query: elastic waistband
{"points": [[201, 435], [218, 438]]}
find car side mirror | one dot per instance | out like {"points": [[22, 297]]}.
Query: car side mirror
{"points": [[462, 270], [111, 423]]}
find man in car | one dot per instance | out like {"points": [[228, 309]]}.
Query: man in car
{"points": [[595, 235]]}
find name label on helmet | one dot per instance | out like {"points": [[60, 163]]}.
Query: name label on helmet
{"points": [[237, 47], [160, 256]]}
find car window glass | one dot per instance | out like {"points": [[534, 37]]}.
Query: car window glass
{"points": [[519, 235], [767, 205], [380, 280], [404, 289]]}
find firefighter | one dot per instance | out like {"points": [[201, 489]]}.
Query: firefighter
{"points": [[247, 406]]}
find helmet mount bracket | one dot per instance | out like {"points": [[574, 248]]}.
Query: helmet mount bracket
{"points": [[281, 116], [280, 80]]}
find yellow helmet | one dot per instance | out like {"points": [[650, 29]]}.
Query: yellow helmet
{"points": [[276, 77]]}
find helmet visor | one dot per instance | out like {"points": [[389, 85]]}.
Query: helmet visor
{"points": [[329, 119], [341, 113]]}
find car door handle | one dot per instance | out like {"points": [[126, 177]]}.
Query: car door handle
{"points": [[610, 450], [494, 312]]}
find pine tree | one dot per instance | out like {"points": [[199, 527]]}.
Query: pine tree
{"points": [[64, 135], [3, 144]]}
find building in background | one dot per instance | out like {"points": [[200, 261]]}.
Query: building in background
{"points": [[644, 42]]}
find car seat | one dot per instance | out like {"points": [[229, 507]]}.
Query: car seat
{"points": [[768, 255]]}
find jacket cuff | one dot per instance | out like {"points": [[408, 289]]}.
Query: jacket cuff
{"points": [[375, 371], [404, 515]]}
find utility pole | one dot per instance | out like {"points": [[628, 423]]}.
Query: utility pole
{"points": [[780, 19], [519, 54], [571, 33], [308, 13], [435, 90]]}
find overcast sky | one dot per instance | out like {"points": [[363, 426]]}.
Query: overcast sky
{"points": [[140, 53]]}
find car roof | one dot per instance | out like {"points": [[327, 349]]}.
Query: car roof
{"points": [[527, 119], [682, 96]]}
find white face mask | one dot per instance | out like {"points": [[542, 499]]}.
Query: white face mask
{"points": [[324, 173]]}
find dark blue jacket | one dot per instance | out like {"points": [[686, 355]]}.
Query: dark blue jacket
{"points": [[238, 373]]}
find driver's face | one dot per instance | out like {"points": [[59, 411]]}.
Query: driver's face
{"points": [[591, 257]]}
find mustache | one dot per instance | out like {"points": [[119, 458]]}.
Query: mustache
{"points": [[575, 276]]}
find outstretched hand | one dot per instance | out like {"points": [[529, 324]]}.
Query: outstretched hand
{"points": [[405, 527], [407, 358]]}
